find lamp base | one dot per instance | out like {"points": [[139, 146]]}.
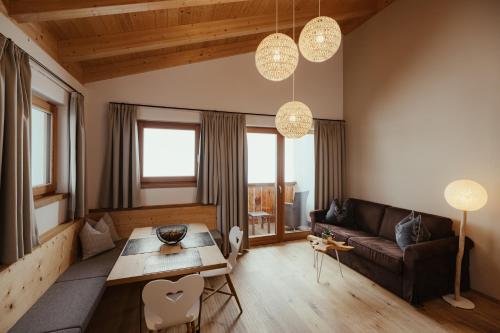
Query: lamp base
{"points": [[461, 302]]}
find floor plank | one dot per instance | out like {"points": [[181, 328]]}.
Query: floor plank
{"points": [[277, 287]]}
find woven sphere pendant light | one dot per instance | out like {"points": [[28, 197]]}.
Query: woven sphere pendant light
{"points": [[277, 57], [294, 120], [320, 39]]}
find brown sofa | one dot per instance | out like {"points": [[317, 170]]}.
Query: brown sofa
{"points": [[421, 272]]}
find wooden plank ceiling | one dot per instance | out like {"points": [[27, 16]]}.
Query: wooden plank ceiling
{"points": [[98, 40]]}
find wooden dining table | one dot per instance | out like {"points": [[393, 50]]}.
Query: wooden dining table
{"points": [[144, 258], [132, 267]]}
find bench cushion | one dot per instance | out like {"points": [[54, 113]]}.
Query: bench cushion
{"points": [[65, 306], [380, 251], [98, 266]]}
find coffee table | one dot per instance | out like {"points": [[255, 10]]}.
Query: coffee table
{"points": [[321, 246]]}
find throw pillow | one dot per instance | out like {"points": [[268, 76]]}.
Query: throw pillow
{"points": [[95, 240], [411, 230], [420, 232], [339, 214], [109, 222], [404, 231]]}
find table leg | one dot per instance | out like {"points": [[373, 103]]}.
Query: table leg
{"points": [[268, 224], [199, 314], [253, 225], [340, 266]]}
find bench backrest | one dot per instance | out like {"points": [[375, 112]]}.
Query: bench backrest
{"points": [[25, 281], [126, 220]]}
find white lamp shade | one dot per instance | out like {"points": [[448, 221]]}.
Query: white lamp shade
{"points": [[466, 195], [320, 39], [294, 120], [277, 57]]}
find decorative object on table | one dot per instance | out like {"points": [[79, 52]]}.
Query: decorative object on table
{"points": [[171, 234], [322, 245], [168, 303], [199, 239], [340, 213], [467, 196], [277, 55], [235, 239], [294, 119], [411, 230], [320, 38]]}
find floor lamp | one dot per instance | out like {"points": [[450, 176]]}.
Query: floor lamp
{"points": [[465, 195]]}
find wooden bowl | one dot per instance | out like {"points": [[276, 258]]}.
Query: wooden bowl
{"points": [[171, 234]]}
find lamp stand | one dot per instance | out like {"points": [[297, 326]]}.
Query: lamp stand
{"points": [[455, 299]]}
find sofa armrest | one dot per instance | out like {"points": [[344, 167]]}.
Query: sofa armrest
{"points": [[318, 215], [439, 247]]}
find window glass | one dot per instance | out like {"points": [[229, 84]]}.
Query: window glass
{"points": [[169, 152], [41, 143]]}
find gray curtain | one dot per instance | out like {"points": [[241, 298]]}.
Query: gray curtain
{"points": [[18, 233], [76, 129], [120, 182], [330, 156], [222, 174]]}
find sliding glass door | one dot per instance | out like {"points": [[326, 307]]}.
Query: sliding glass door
{"points": [[280, 186]]}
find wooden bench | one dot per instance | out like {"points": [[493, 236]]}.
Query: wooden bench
{"points": [[46, 292]]}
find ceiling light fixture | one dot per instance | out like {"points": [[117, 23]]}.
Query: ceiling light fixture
{"points": [[294, 119], [320, 39], [277, 55]]}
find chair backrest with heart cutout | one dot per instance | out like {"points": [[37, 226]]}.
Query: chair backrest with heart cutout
{"points": [[171, 301], [235, 239]]}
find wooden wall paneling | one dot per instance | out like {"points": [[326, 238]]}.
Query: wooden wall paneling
{"points": [[23, 282], [127, 220]]}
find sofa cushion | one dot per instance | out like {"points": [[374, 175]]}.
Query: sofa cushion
{"points": [[98, 266], [340, 234], [340, 213], [381, 251], [438, 226], [66, 305], [368, 215]]}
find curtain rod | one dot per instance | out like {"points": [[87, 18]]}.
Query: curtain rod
{"points": [[45, 68], [51, 73], [207, 110]]}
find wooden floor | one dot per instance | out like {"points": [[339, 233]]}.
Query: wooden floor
{"points": [[277, 288]]}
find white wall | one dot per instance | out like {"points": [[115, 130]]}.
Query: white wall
{"points": [[49, 216], [422, 106], [228, 84]]}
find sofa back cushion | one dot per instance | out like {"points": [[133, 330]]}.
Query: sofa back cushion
{"points": [[368, 215], [438, 226]]}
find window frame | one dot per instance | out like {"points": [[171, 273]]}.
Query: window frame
{"points": [[51, 187], [167, 182]]}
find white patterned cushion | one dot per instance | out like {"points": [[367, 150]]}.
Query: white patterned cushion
{"points": [[109, 222], [95, 240]]}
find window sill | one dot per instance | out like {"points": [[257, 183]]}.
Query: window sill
{"points": [[49, 199], [168, 185]]}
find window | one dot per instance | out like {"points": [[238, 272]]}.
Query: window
{"points": [[43, 147], [168, 154]]}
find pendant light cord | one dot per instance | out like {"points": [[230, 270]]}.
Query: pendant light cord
{"points": [[276, 16], [293, 34], [319, 7]]}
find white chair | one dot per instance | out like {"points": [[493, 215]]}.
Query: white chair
{"points": [[168, 303], [235, 238]]}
